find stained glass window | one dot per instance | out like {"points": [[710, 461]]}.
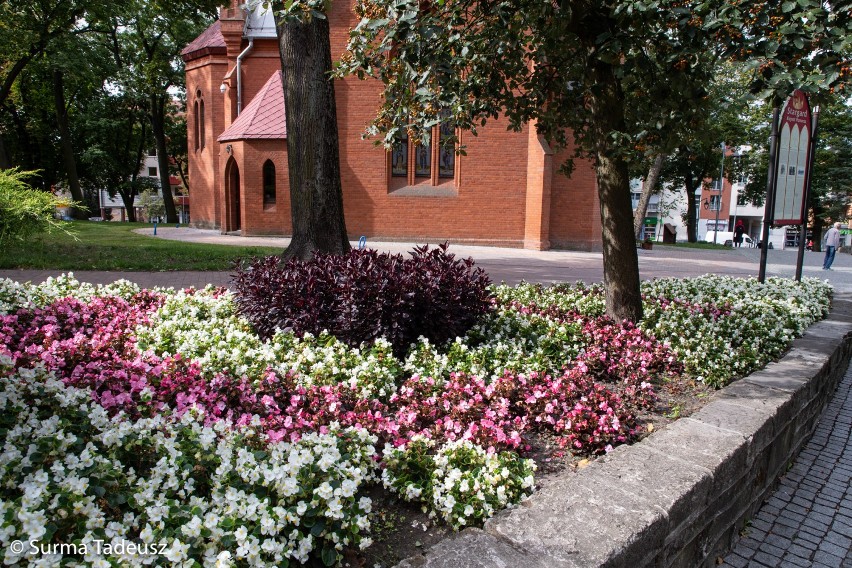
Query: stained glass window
{"points": [[423, 161], [399, 158], [447, 154]]}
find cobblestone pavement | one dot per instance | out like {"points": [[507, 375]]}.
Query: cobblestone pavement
{"points": [[808, 520]]}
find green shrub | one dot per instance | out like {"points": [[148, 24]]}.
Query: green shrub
{"points": [[25, 211]]}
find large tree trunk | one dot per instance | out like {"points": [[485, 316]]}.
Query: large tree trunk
{"points": [[647, 190], [157, 115], [65, 143], [316, 195], [620, 262], [692, 204]]}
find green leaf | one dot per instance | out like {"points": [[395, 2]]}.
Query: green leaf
{"points": [[318, 527], [329, 556]]}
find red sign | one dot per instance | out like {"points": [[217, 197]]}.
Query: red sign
{"points": [[793, 160]]}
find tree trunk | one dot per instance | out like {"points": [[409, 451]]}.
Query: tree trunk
{"points": [[157, 115], [184, 175], [316, 195], [620, 262], [647, 191], [66, 145], [692, 204], [127, 198], [12, 74], [5, 162]]}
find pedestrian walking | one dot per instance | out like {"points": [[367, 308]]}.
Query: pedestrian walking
{"points": [[738, 234], [832, 241]]}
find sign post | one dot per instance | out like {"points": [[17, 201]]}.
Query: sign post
{"points": [[789, 169], [803, 233], [770, 195]]}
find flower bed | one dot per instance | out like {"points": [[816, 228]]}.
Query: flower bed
{"points": [[161, 418]]}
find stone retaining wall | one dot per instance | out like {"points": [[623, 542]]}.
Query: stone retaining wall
{"points": [[680, 496]]}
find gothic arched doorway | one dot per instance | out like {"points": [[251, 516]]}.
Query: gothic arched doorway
{"points": [[232, 196]]}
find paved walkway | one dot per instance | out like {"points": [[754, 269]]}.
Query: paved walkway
{"points": [[808, 520], [502, 264]]}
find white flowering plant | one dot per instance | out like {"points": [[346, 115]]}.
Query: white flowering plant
{"points": [[204, 326], [14, 295], [461, 482], [723, 328], [195, 493]]}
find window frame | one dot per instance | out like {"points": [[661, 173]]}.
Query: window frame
{"points": [[269, 203], [718, 200], [435, 178]]}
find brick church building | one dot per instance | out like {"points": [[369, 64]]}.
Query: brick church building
{"points": [[505, 191]]}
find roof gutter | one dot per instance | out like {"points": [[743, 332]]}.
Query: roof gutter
{"points": [[240, 57]]}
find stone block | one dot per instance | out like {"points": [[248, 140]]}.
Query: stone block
{"points": [[722, 452], [752, 418], [679, 488], [472, 548], [584, 520], [791, 374]]}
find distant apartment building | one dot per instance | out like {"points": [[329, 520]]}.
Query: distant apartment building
{"points": [[113, 207], [720, 206]]}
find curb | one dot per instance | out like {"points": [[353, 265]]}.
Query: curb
{"points": [[680, 496]]}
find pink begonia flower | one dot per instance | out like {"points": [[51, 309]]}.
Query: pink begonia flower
{"points": [[93, 345]]}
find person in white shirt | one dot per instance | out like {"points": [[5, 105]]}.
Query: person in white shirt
{"points": [[832, 241]]}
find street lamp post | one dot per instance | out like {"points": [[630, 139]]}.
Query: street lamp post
{"points": [[721, 187]]}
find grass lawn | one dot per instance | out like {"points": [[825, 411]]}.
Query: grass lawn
{"points": [[114, 246]]}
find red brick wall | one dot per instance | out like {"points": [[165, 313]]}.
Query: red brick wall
{"points": [[490, 203], [205, 75], [257, 218], [575, 219]]}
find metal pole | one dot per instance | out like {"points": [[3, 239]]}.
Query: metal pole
{"points": [[721, 187], [770, 193], [803, 236]]}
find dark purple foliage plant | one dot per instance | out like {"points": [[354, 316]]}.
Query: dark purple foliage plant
{"points": [[363, 295]]}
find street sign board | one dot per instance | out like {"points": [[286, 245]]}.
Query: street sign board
{"points": [[793, 160]]}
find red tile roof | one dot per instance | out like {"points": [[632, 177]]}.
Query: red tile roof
{"points": [[263, 117], [210, 42]]}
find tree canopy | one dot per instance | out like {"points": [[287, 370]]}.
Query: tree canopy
{"points": [[87, 85], [610, 74]]}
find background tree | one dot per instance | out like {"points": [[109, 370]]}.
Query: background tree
{"points": [[176, 135], [709, 117], [149, 36], [28, 29], [117, 138], [591, 69]]}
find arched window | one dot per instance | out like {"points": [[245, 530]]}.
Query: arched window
{"points": [[268, 183], [198, 125], [201, 126], [195, 126]]}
